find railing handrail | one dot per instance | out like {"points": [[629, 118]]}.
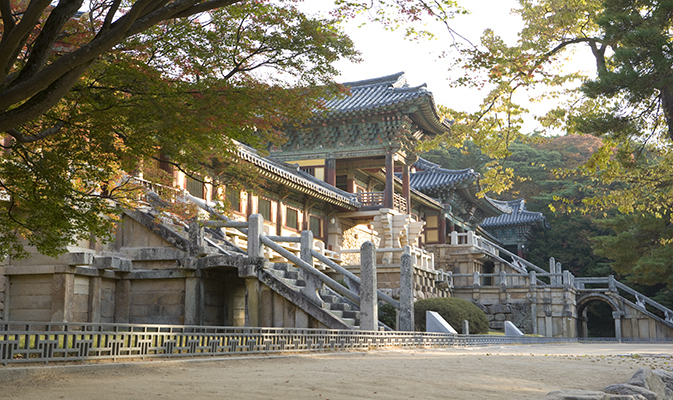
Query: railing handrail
{"points": [[515, 257], [331, 283], [343, 271]]}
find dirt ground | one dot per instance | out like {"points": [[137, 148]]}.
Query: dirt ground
{"points": [[509, 372]]}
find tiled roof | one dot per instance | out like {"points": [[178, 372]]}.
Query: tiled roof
{"points": [[518, 216], [389, 93], [293, 175], [432, 179]]}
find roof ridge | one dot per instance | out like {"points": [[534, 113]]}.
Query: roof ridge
{"points": [[394, 80]]}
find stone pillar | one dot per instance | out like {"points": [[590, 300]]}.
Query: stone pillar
{"points": [[122, 301], [251, 302], [466, 327], [196, 238], [255, 229], [390, 187], [476, 280], [612, 285], [330, 171], [368, 298], [406, 189], [313, 283], [62, 292], [617, 315], [95, 298], [193, 301], [406, 294]]}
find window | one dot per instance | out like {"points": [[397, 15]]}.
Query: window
{"points": [[194, 187], [315, 226], [234, 199], [264, 208], [291, 218], [431, 228]]}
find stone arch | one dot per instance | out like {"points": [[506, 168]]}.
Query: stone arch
{"points": [[587, 298]]}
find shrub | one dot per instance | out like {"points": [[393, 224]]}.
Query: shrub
{"points": [[454, 311], [388, 315]]}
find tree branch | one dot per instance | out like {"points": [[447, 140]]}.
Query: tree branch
{"points": [[12, 42], [43, 46], [21, 138], [7, 17]]}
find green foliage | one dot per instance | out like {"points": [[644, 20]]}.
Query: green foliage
{"points": [[183, 90], [454, 311], [388, 315]]}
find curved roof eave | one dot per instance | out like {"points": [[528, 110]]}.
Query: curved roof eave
{"points": [[387, 94]]}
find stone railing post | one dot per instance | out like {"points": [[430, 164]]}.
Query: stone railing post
{"points": [[313, 283], [552, 270], [470, 238], [196, 240], [454, 238], [255, 229], [533, 278], [368, 299], [566, 278], [503, 278], [559, 279], [476, 281], [612, 286], [406, 322]]}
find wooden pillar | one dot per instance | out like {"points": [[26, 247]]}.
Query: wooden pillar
{"points": [[390, 189], [330, 171], [350, 179], [248, 207], [279, 217], [406, 190], [442, 228]]}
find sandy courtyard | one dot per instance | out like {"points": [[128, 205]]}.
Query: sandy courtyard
{"points": [[510, 372]]}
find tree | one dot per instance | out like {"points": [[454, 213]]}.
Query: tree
{"points": [[180, 91]]}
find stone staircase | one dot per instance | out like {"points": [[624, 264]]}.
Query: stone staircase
{"points": [[335, 304]]}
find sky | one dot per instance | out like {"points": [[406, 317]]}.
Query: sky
{"points": [[385, 53]]}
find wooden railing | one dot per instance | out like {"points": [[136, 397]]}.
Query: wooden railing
{"points": [[375, 200]]}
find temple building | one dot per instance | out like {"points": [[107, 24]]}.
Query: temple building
{"points": [[517, 228]]}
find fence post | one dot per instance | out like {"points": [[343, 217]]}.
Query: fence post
{"points": [[406, 294], [475, 279], [503, 278], [454, 238], [533, 278], [313, 283], [559, 279], [368, 300]]}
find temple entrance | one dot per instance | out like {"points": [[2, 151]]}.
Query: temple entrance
{"points": [[595, 316]]}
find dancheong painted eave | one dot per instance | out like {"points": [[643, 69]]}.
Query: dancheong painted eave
{"points": [[518, 216], [292, 176], [386, 94]]}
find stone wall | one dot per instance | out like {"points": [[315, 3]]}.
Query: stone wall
{"points": [[353, 238]]}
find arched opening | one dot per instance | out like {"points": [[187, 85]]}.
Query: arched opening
{"points": [[595, 317]]}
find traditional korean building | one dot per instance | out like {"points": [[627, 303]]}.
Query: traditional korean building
{"points": [[517, 228]]}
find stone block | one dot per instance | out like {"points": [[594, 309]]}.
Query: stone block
{"points": [[631, 390], [499, 308], [496, 324], [665, 376], [647, 379], [435, 323], [500, 317], [511, 329]]}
